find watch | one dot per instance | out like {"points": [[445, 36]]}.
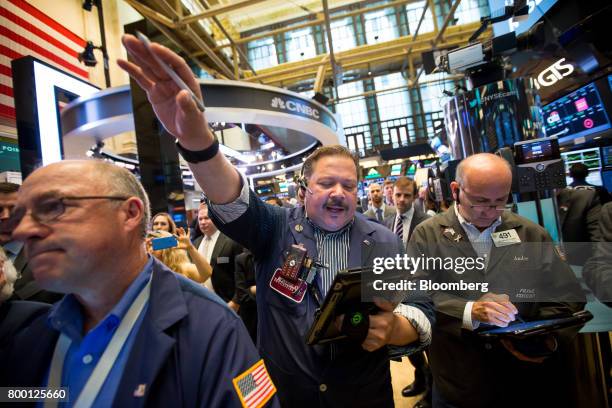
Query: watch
{"points": [[198, 156]]}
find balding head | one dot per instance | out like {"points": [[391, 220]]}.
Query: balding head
{"points": [[481, 188]]}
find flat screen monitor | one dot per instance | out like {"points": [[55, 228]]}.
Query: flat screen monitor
{"points": [[372, 173], [396, 170], [538, 150], [590, 158], [606, 156], [411, 168], [575, 115], [606, 178]]}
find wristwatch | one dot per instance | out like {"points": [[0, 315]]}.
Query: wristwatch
{"points": [[198, 156]]}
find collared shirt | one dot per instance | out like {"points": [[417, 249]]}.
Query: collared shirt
{"points": [[85, 351], [407, 220], [482, 242], [12, 249], [333, 249], [207, 245]]}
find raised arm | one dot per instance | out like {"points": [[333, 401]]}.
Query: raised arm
{"points": [[179, 114]]}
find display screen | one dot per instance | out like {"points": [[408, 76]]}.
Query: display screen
{"points": [[590, 158], [576, 115], [411, 169], [610, 81], [283, 187], [607, 156], [372, 173], [535, 152], [396, 170]]}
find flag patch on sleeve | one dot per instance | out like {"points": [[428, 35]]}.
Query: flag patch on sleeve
{"points": [[254, 386]]}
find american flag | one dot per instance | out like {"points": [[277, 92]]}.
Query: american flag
{"points": [[25, 30], [254, 387]]}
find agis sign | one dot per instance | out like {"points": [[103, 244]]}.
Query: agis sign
{"points": [[553, 73]]}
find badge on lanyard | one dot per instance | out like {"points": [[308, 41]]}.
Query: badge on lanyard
{"points": [[505, 238], [294, 290]]}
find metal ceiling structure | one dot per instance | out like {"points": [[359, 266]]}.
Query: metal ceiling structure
{"points": [[204, 33]]}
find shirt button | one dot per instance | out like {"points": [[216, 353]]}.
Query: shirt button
{"points": [[322, 387], [87, 358]]}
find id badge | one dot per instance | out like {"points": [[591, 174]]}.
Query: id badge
{"points": [[505, 238], [291, 290]]}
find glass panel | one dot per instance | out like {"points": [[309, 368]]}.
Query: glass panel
{"points": [[343, 35], [380, 26], [469, 11], [354, 111], [395, 103], [300, 44], [262, 53], [414, 11]]}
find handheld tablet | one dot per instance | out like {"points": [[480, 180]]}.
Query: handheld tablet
{"points": [[537, 327]]}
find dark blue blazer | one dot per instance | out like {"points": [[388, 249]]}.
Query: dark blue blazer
{"points": [[351, 376], [189, 348]]}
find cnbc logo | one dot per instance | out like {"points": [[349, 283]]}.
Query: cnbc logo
{"points": [[292, 106]]}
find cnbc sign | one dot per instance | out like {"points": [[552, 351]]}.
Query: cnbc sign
{"points": [[294, 107]]}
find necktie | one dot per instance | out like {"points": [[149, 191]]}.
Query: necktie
{"points": [[399, 227], [379, 216]]}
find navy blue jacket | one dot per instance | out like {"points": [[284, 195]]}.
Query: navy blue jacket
{"points": [[308, 376], [189, 348]]}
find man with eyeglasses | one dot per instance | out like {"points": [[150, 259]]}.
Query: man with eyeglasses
{"points": [[513, 253], [355, 374], [128, 331]]}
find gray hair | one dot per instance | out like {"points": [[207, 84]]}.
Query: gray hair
{"points": [[460, 172], [121, 182], [10, 274]]}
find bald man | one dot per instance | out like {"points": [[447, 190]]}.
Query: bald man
{"points": [[467, 370], [379, 210]]}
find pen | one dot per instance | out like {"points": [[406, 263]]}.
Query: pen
{"points": [[177, 80], [519, 318]]}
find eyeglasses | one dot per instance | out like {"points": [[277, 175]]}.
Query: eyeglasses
{"points": [[480, 207], [47, 210]]}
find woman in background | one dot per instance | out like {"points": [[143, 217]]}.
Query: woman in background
{"points": [[163, 222], [196, 269]]}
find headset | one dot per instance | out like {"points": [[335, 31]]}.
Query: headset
{"points": [[301, 181]]}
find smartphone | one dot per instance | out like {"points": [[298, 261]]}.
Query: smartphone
{"points": [[164, 243]]}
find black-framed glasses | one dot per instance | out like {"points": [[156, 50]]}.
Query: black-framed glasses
{"points": [[49, 209], [480, 207]]}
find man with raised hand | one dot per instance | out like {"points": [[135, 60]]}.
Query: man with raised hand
{"points": [[326, 227]]}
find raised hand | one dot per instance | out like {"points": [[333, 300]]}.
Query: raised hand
{"points": [[173, 106]]}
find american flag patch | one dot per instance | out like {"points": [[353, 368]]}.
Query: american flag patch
{"points": [[254, 386]]}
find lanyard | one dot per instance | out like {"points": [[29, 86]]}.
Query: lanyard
{"points": [[98, 376]]}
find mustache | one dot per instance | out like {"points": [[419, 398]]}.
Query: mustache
{"points": [[337, 202]]}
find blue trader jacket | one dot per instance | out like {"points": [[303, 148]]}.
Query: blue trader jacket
{"points": [[189, 348], [311, 376]]}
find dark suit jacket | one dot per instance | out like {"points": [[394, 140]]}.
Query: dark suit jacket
{"points": [[579, 217], [244, 274], [468, 371], [417, 218], [16, 315], [222, 262], [188, 349], [26, 288], [371, 212], [597, 271]]}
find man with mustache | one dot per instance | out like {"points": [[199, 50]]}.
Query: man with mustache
{"points": [[355, 375]]}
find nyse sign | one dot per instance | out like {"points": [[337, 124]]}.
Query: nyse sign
{"points": [[554, 73]]}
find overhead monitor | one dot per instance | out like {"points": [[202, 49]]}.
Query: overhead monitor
{"points": [[396, 170], [576, 115]]}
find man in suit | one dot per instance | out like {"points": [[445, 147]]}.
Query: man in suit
{"points": [[511, 253], [403, 223], [25, 287], [326, 227], [162, 337], [407, 215], [220, 251], [579, 211], [388, 192], [379, 210]]}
